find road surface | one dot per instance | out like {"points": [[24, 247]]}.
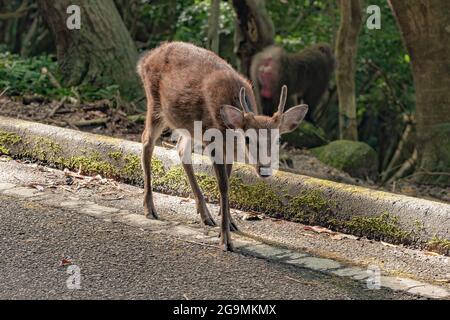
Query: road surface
{"points": [[53, 247]]}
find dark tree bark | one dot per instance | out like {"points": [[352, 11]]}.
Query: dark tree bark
{"points": [[254, 31], [346, 52], [129, 12], [213, 26], [425, 27], [100, 53]]}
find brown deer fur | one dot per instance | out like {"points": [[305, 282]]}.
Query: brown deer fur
{"points": [[184, 84]]}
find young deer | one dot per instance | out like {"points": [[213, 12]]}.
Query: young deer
{"points": [[185, 84]]}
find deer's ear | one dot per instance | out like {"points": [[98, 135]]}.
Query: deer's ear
{"points": [[232, 117], [292, 118]]}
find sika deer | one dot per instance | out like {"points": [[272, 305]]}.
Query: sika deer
{"points": [[184, 84]]}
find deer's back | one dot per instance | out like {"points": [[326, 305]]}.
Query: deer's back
{"points": [[188, 84]]}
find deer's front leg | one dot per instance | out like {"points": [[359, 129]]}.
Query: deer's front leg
{"points": [[233, 225], [222, 180], [184, 146]]}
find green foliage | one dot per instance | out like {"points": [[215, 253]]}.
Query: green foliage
{"points": [[189, 20], [385, 89], [383, 50], [24, 76], [384, 81], [300, 23], [192, 24], [306, 136]]}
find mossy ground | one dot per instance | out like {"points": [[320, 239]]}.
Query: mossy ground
{"points": [[356, 158]]}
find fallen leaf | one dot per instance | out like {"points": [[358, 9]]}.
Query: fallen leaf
{"points": [[431, 253], [65, 262], [30, 240], [408, 190], [389, 244], [36, 186], [318, 229], [333, 234], [443, 280], [252, 217], [308, 235]]}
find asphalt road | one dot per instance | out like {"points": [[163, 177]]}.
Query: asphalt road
{"points": [[122, 262]]}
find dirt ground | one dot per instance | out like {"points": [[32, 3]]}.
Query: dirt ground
{"points": [[102, 118]]}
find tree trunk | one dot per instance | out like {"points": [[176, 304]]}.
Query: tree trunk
{"points": [[425, 26], [101, 53], [129, 12], [213, 26], [254, 31], [346, 52]]}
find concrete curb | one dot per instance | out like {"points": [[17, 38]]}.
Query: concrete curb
{"points": [[352, 209]]}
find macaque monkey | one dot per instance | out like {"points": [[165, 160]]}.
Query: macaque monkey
{"points": [[306, 73]]}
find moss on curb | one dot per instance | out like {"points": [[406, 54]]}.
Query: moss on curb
{"points": [[91, 164], [384, 227], [257, 196], [439, 245], [132, 168], [115, 155], [44, 149], [7, 140], [309, 207]]}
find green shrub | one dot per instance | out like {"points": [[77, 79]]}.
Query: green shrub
{"points": [[24, 76]]}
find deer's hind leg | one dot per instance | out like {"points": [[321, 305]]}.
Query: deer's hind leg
{"points": [[184, 146], [222, 180], [153, 129]]}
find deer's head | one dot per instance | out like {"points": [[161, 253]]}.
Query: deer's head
{"points": [[262, 133]]}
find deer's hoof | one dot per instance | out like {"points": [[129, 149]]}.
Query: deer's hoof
{"points": [[206, 215], [233, 226], [225, 242], [227, 247], [209, 222], [151, 213]]}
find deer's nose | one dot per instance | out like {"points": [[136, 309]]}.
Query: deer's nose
{"points": [[265, 172]]}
